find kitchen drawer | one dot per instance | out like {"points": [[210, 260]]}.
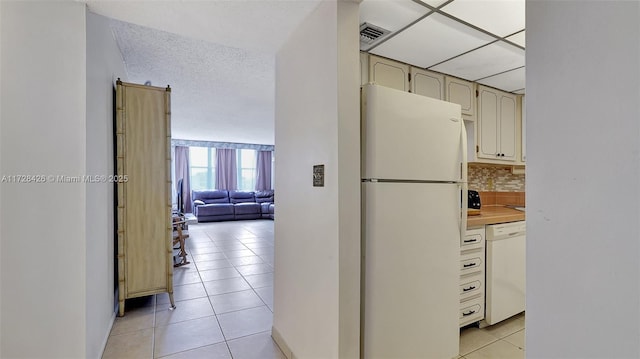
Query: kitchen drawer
{"points": [[471, 261], [471, 265], [471, 311], [473, 239], [471, 286]]}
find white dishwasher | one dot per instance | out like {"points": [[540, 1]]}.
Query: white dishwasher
{"points": [[505, 271]]}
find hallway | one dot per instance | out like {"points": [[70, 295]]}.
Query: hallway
{"points": [[224, 300]]}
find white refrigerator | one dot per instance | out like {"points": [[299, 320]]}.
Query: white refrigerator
{"points": [[413, 216]]}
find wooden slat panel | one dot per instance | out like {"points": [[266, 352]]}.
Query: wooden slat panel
{"points": [[146, 165]]}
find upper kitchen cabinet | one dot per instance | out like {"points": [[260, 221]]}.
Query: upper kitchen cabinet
{"points": [[388, 73], [464, 94], [364, 68], [497, 127], [427, 83]]}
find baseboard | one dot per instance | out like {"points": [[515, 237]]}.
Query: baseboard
{"points": [[106, 338], [282, 344]]}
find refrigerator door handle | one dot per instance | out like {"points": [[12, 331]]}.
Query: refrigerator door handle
{"points": [[465, 186]]}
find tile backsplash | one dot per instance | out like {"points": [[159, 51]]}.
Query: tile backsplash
{"points": [[487, 178]]}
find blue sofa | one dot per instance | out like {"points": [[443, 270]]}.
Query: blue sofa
{"points": [[223, 205]]}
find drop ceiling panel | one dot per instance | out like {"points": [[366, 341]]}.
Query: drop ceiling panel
{"points": [[499, 17], [390, 15], [486, 61], [518, 39], [434, 3], [507, 81], [431, 40]]}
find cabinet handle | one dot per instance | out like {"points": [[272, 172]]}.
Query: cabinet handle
{"points": [[468, 313], [469, 240], [468, 265], [468, 289]]}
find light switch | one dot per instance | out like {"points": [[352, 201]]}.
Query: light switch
{"points": [[318, 176]]}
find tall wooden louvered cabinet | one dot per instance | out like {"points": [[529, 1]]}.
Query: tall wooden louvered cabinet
{"points": [[143, 140]]}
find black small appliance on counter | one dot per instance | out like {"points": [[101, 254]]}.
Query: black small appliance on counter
{"points": [[474, 200]]}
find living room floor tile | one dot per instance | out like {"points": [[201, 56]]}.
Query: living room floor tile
{"points": [[216, 274], [260, 244], [245, 322], [182, 277], [185, 310], [208, 256], [132, 345], [266, 294], [228, 285], [252, 269], [265, 251], [182, 336], [214, 351], [214, 264], [133, 321], [237, 246], [239, 253], [224, 303], [182, 292], [243, 261], [260, 280], [255, 346]]}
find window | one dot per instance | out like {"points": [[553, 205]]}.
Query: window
{"points": [[247, 169], [202, 166], [202, 163]]}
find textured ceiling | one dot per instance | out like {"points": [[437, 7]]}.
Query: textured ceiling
{"points": [[217, 56], [218, 93]]}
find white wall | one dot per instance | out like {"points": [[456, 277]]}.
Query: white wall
{"points": [[43, 131], [583, 170], [104, 66], [349, 178], [0, 174], [317, 229]]}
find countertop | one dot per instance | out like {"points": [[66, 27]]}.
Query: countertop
{"points": [[493, 214]]}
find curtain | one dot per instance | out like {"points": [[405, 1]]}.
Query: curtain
{"points": [[226, 169], [182, 172], [263, 171]]}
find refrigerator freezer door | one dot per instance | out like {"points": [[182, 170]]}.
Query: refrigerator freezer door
{"points": [[410, 137], [411, 276]]}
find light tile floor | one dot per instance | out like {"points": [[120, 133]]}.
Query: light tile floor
{"points": [[504, 340], [224, 300]]}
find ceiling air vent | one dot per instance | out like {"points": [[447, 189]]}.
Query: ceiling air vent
{"points": [[370, 35]]}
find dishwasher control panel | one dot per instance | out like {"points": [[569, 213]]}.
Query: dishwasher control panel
{"points": [[496, 231]]}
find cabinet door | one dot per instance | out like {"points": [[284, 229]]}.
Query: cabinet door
{"points": [[463, 93], [508, 132], [488, 124], [497, 127], [427, 83], [388, 73], [364, 68]]}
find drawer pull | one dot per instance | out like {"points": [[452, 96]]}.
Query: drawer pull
{"points": [[469, 265], [468, 289], [468, 313], [470, 240]]}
